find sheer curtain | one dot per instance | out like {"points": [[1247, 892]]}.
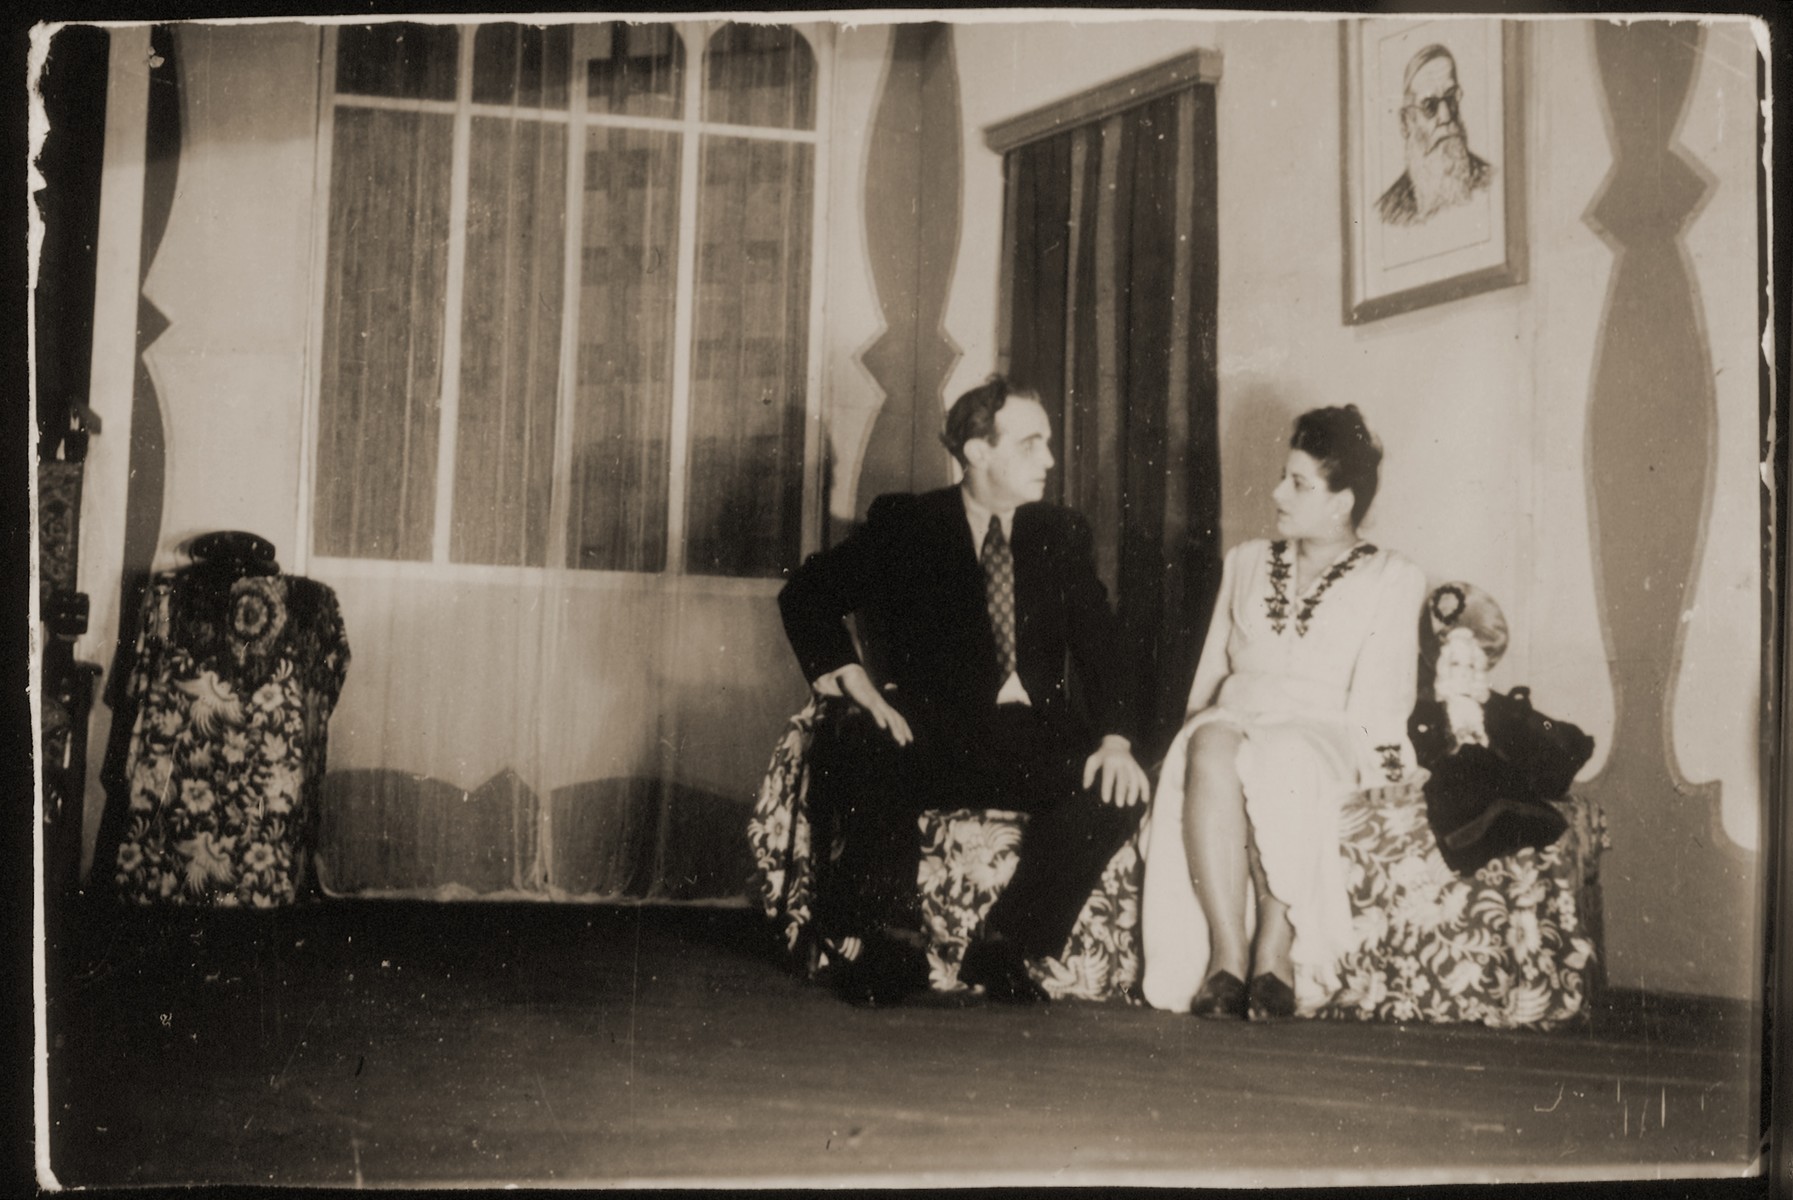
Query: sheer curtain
{"points": [[1109, 284], [559, 448]]}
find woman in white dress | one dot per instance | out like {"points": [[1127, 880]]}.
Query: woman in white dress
{"points": [[1302, 694]]}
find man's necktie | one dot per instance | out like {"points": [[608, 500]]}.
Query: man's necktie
{"points": [[999, 592]]}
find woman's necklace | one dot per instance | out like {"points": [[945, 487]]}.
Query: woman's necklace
{"points": [[1312, 557], [1278, 600]]}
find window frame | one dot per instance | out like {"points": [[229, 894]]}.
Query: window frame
{"points": [[697, 36]]}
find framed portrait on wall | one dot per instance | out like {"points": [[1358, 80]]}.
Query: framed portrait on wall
{"points": [[1433, 161]]}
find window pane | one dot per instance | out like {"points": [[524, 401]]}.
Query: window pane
{"points": [[760, 75], [522, 64], [397, 59], [750, 369], [634, 70], [510, 341], [628, 286], [383, 317]]}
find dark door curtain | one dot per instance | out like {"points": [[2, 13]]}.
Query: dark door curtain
{"points": [[1109, 299]]}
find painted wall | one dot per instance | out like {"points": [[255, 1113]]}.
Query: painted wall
{"points": [[893, 250], [1481, 404], [855, 320], [1715, 730], [230, 277], [107, 474]]}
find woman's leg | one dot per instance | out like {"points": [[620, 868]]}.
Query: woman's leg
{"points": [[1275, 936], [1215, 836]]}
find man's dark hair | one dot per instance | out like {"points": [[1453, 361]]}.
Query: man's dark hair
{"points": [[1348, 454], [973, 415]]}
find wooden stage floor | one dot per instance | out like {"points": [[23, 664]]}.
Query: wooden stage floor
{"points": [[390, 1044]]}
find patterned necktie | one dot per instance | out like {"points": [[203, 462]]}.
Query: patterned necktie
{"points": [[999, 593]]}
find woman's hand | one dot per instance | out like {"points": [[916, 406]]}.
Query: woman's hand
{"points": [[1124, 781]]}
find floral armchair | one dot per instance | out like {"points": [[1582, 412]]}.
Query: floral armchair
{"points": [[967, 858], [1516, 944]]}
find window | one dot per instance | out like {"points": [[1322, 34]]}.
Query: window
{"points": [[601, 368]]}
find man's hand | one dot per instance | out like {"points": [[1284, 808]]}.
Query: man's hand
{"points": [[852, 681], [1124, 781]]}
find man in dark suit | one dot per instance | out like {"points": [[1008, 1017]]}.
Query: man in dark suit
{"points": [[972, 599]]}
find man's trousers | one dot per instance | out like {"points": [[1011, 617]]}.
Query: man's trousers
{"points": [[867, 795]]}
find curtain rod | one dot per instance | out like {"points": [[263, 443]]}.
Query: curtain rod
{"points": [[1148, 83]]}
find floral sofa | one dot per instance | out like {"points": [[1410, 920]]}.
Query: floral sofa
{"points": [[1517, 944]]}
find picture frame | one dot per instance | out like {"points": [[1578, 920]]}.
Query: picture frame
{"points": [[1429, 217]]}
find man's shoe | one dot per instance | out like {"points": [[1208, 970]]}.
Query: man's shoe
{"points": [[998, 966], [887, 972]]}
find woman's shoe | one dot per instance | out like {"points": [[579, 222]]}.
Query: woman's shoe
{"points": [[1222, 998], [1270, 999]]}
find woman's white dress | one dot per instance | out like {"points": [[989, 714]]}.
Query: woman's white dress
{"points": [[1320, 685]]}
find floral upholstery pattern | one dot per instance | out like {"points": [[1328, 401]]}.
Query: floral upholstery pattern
{"points": [[778, 833], [1516, 944], [232, 688], [967, 858]]}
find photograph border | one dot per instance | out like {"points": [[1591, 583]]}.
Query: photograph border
{"points": [[1776, 1052]]}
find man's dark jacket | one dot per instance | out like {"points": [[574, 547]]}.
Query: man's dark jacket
{"points": [[912, 573]]}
